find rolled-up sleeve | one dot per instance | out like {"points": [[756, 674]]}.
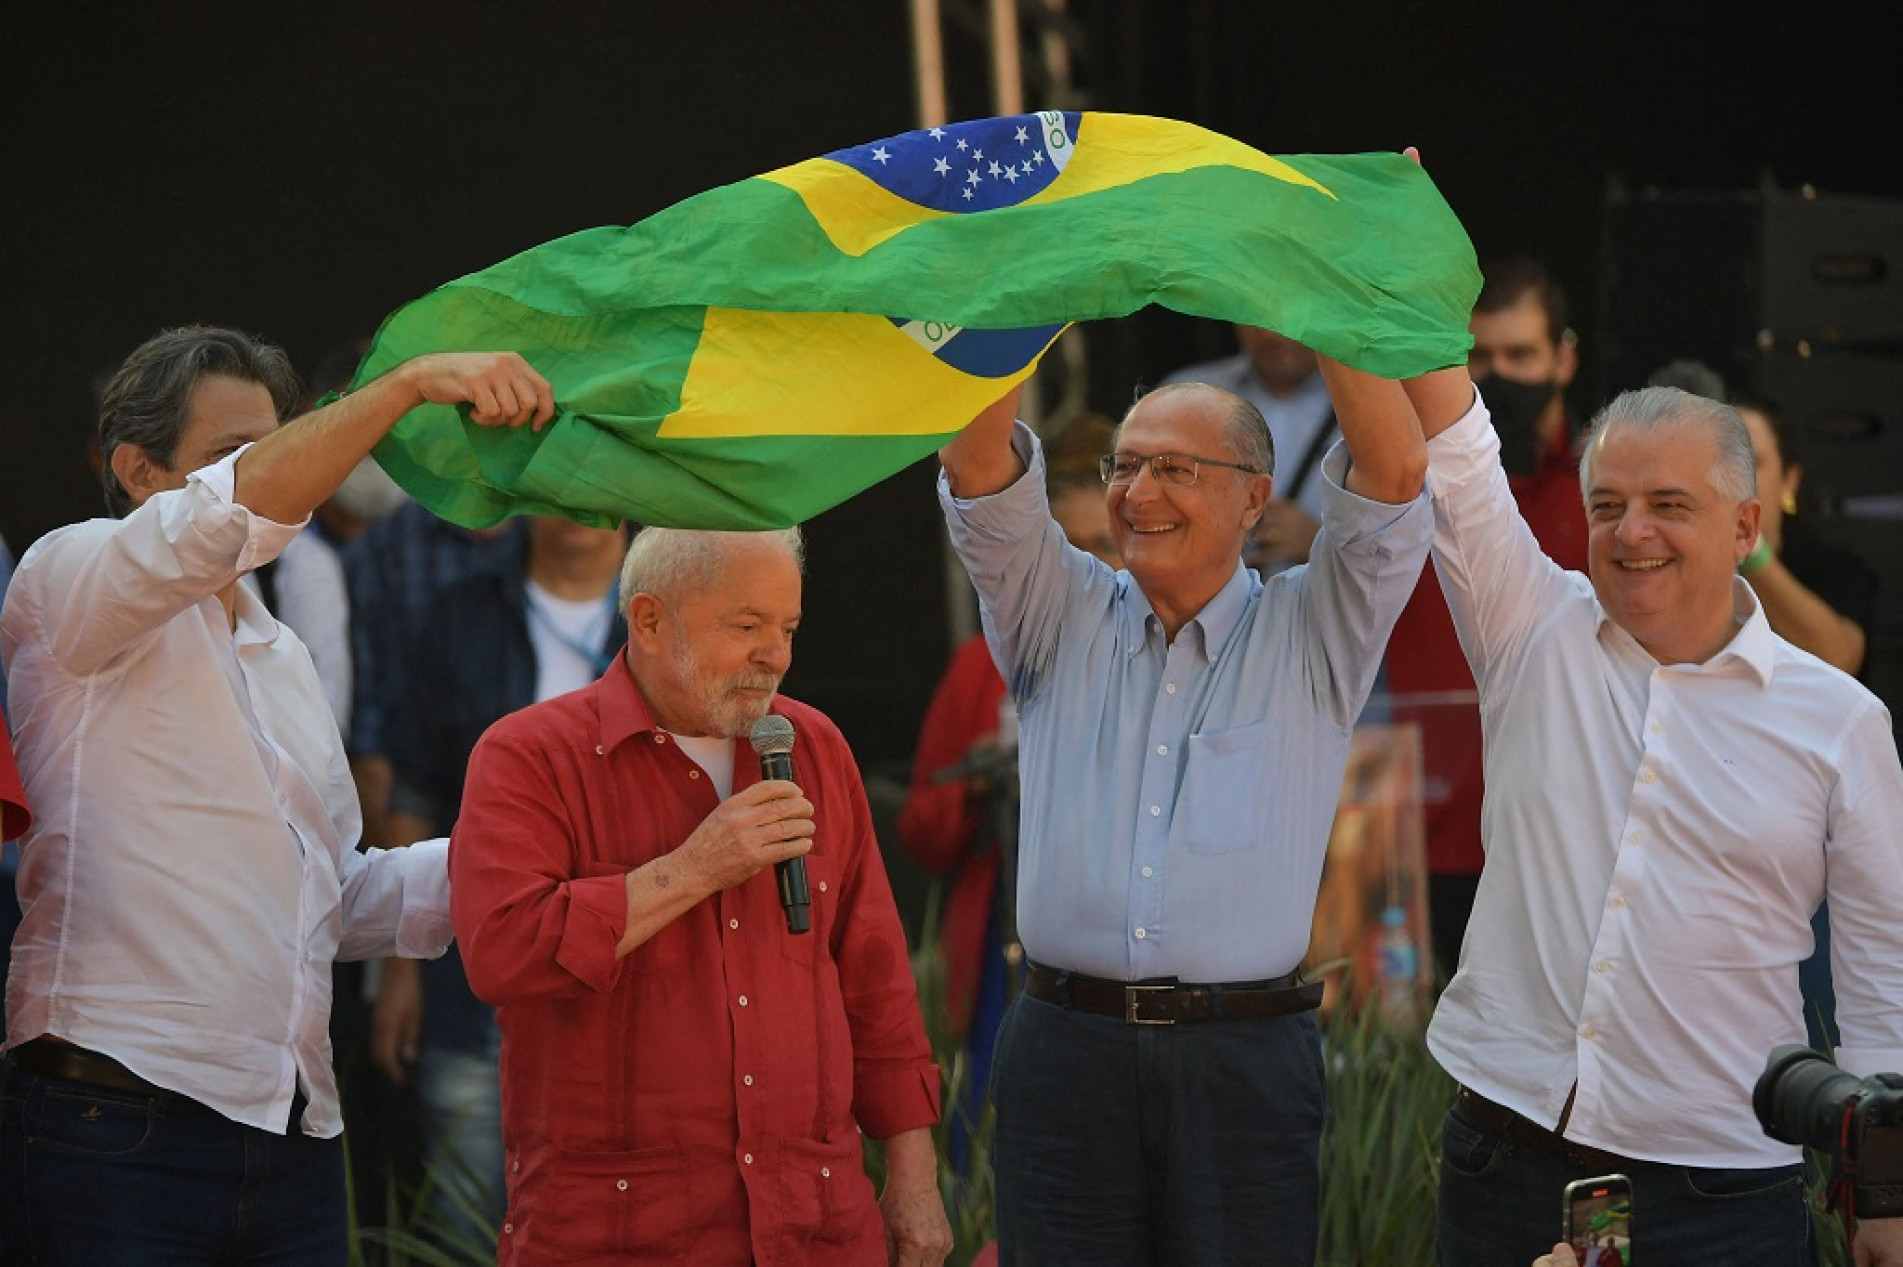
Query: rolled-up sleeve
{"points": [[396, 901], [526, 926]]}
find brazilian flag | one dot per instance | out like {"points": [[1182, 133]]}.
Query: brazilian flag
{"points": [[760, 352]]}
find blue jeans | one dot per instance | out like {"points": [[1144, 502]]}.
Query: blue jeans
{"points": [[91, 1177], [1500, 1206], [1181, 1144], [461, 1095]]}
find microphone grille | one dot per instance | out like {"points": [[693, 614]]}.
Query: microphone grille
{"points": [[772, 734]]}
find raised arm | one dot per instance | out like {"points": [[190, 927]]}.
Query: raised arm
{"points": [[1387, 456], [979, 460], [289, 473]]}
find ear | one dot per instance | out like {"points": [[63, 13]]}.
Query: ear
{"points": [[1750, 515], [644, 623], [1261, 489], [1566, 363], [137, 473]]}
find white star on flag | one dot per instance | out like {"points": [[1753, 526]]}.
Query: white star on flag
{"points": [[941, 166], [962, 146], [1011, 174], [1023, 136], [882, 155], [937, 134], [967, 192], [996, 171], [977, 156], [972, 177]]}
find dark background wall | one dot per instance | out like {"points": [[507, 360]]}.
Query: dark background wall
{"points": [[300, 170]]}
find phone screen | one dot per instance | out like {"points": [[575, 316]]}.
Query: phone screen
{"points": [[1599, 1221]]}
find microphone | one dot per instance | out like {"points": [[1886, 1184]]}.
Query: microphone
{"points": [[772, 738]]}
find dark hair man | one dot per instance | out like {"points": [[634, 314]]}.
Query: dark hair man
{"points": [[193, 871]]}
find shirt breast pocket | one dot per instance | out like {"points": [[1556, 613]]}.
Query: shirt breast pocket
{"points": [[1221, 805], [822, 886]]}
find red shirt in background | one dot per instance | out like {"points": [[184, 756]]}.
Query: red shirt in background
{"points": [[702, 1099], [14, 820], [940, 822], [1425, 659]]}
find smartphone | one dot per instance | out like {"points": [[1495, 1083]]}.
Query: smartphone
{"points": [[1599, 1220]]}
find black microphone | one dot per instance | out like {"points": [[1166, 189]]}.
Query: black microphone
{"points": [[773, 739]]}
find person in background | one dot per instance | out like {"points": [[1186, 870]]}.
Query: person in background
{"points": [[956, 825], [542, 621]]}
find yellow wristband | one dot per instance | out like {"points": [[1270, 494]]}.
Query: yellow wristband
{"points": [[1759, 556]]}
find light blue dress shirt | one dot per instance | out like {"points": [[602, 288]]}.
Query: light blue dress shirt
{"points": [[1177, 797]]}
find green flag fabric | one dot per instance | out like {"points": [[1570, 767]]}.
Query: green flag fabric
{"points": [[760, 352]]}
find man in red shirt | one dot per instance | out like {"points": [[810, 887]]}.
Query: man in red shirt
{"points": [[683, 1080], [1523, 359], [13, 816]]}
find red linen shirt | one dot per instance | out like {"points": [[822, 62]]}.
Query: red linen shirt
{"points": [[1425, 662], [701, 1100]]}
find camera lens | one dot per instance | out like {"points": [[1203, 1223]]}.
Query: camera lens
{"points": [[1801, 1096]]}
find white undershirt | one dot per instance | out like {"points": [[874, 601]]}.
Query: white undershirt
{"points": [[567, 634], [712, 754]]}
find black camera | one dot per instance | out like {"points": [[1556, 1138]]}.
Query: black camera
{"points": [[1803, 1098]]}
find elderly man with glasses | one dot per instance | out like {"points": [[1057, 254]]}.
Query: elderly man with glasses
{"points": [[1183, 729]]}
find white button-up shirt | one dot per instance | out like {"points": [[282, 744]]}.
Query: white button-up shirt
{"points": [[192, 869], [1658, 838]]}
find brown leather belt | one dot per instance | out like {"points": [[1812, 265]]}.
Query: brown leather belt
{"points": [[49, 1058], [1173, 1002], [1523, 1130]]}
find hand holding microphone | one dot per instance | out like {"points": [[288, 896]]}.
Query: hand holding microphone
{"points": [[772, 738]]}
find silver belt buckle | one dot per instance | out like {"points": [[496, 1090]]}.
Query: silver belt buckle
{"points": [[1130, 995]]}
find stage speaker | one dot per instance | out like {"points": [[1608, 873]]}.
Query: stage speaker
{"points": [[1728, 278]]}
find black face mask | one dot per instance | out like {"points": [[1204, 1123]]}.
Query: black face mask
{"points": [[1516, 410]]}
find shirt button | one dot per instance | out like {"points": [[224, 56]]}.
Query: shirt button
{"points": [[1142, 933], [1162, 750], [1648, 777], [1636, 837], [515, 1166], [659, 738], [743, 1000], [1169, 688], [693, 774], [748, 1080], [1155, 811], [747, 1157], [621, 1184], [1148, 872], [508, 1227], [600, 751], [1618, 902], [825, 1172], [1602, 966], [1588, 1032], [733, 923], [822, 886]]}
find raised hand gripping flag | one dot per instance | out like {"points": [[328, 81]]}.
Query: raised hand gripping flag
{"points": [[760, 352]]}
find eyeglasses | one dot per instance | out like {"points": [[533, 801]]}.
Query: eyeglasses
{"points": [[1165, 468]]}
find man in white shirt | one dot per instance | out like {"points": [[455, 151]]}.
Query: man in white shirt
{"points": [[1671, 791], [194, 873]]}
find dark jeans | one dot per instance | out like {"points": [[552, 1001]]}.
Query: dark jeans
{"points": [[93, 1178], [1179, 1144], [1500, 1206]]}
